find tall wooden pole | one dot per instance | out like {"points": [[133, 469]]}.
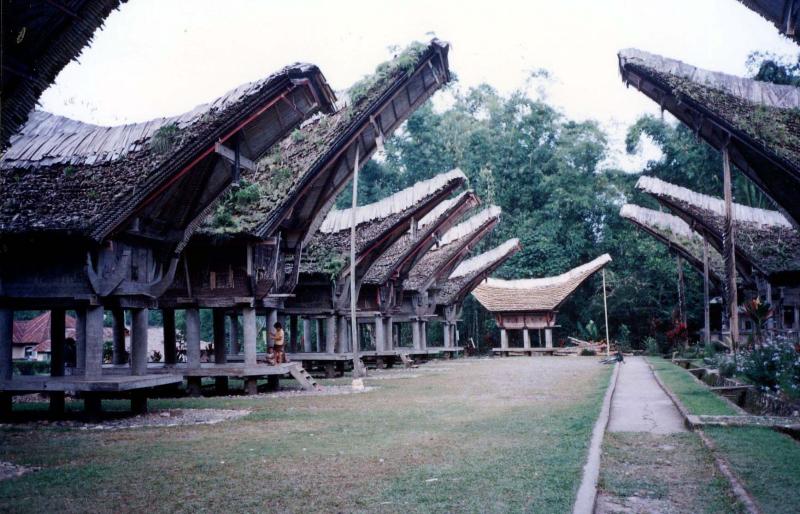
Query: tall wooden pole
{"points": [[730, 249], [605, 310], [706, 308], [353, 317], [681, 296]]}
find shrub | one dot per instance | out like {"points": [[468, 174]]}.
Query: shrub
{"points": [[26, 367], [651, 346], [588, 352], [624, 338], [155, 356], [775, 365], [726, 365]]}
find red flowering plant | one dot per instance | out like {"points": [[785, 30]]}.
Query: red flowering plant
{"points": [[759, 313]]}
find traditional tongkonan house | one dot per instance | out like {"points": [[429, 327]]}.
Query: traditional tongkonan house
{"points": [[39, 39], [324, 287], [429, 275], [245, 259], [95, 218], [767, 246], [382, 288], [784, 14], [464, 279], [533, 303]]}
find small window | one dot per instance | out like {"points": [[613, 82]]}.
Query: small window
{"points": [[29, 352]]}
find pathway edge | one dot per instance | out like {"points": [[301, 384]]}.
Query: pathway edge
{"points": [[587, 492]]}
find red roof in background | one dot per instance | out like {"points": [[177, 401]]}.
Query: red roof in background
{"points": [[37, 331]]}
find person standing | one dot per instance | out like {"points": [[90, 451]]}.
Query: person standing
{"points": [[277, 341]]}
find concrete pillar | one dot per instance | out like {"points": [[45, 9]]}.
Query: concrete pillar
{"points": [[318, 332], [234, 333], [416, 336], [139, 324], [548, 338], [446, 334], [80, 341], [526, 338], [6, 339], [250, 332], [503, 338], [388, 334], [220, 345], [380, 337], [330, 334], [57, 327], [94, 342], [293, 333], [118, 341], [170, 350], [192, 337], [307, 347]]}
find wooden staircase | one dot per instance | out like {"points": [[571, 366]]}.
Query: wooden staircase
{"points": [[307, 382]]}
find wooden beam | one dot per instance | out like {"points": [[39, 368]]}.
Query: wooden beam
{"points": [[730, 249], [230, 155]]}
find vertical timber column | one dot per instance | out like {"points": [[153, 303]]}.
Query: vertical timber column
{"points": [[192, 337], [57, 327], [307, 347], [293, 333], [330, 334], [6, 365], [170, 350], [343, 335], [388, 334], [272, 318], [416, 337], [729, 248], [424, 333], [503, 338], [454, 329], [93, 357], [681, 297], [318, 334], [771, 320], [380, 337], [80, 341], [233, 329], [706, 299], [446, 334], [548, 338], [220, 345], [526, 338], [118, 330], [139, 341], [249, 323]]}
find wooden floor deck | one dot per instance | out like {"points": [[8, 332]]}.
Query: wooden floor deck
{"points": [[103, 384], [526, 351]]}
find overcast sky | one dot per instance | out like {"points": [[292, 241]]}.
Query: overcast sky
{"points": [[162, 57]]}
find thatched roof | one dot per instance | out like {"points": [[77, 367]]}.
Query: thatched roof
{"points": [[535, 294], [378, 225], [765, 240], [62, 175], [437, 264], [295, 185], [39, 39], [678, 236], [759, 121], [784, 14], [472, 271], [398, 260]]}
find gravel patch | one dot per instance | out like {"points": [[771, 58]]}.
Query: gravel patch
{"points": [[9, 470], [160, 418]]}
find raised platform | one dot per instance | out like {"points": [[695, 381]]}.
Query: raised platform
{"points": [[209, 369], [103, 384], [506, 352]]}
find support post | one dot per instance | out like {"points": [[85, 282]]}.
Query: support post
{"points": [[416, 337], [706, 299], [503, 338], [94, 342], [293, 333], [526, 338], [220, 345], [318, 335], [272, 318], [342, 336], [139, 325], [57, 328], [388, 334], [681, 296], [380, 337], [307, 347], [233, 329], [330, 334], [729, 248], [548, 338], [424, 334], [249, 323], [118, 356], [548, 335], [192, 337], [80, 341], [6, 363], [446, 334], [170, 348]]}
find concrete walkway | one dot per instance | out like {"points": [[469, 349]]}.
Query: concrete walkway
{"points": [[640, 405]]}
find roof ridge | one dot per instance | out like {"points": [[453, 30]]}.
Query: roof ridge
{"points": [[480, 261]]}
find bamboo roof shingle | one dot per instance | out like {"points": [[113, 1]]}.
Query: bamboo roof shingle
{"points": [[678, 236], [399, 259], [294, 186], [784, 14], [39, 39], [758, 121], [764, 239], [536, 294], [62, 175], [437, 264], [469, 273], [379, 224]]}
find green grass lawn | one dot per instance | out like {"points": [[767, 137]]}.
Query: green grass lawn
{"points": [[696, 397], [767, 462], [469, 435]]}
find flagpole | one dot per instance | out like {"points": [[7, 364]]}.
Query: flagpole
{"points": [[353, 317]]}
